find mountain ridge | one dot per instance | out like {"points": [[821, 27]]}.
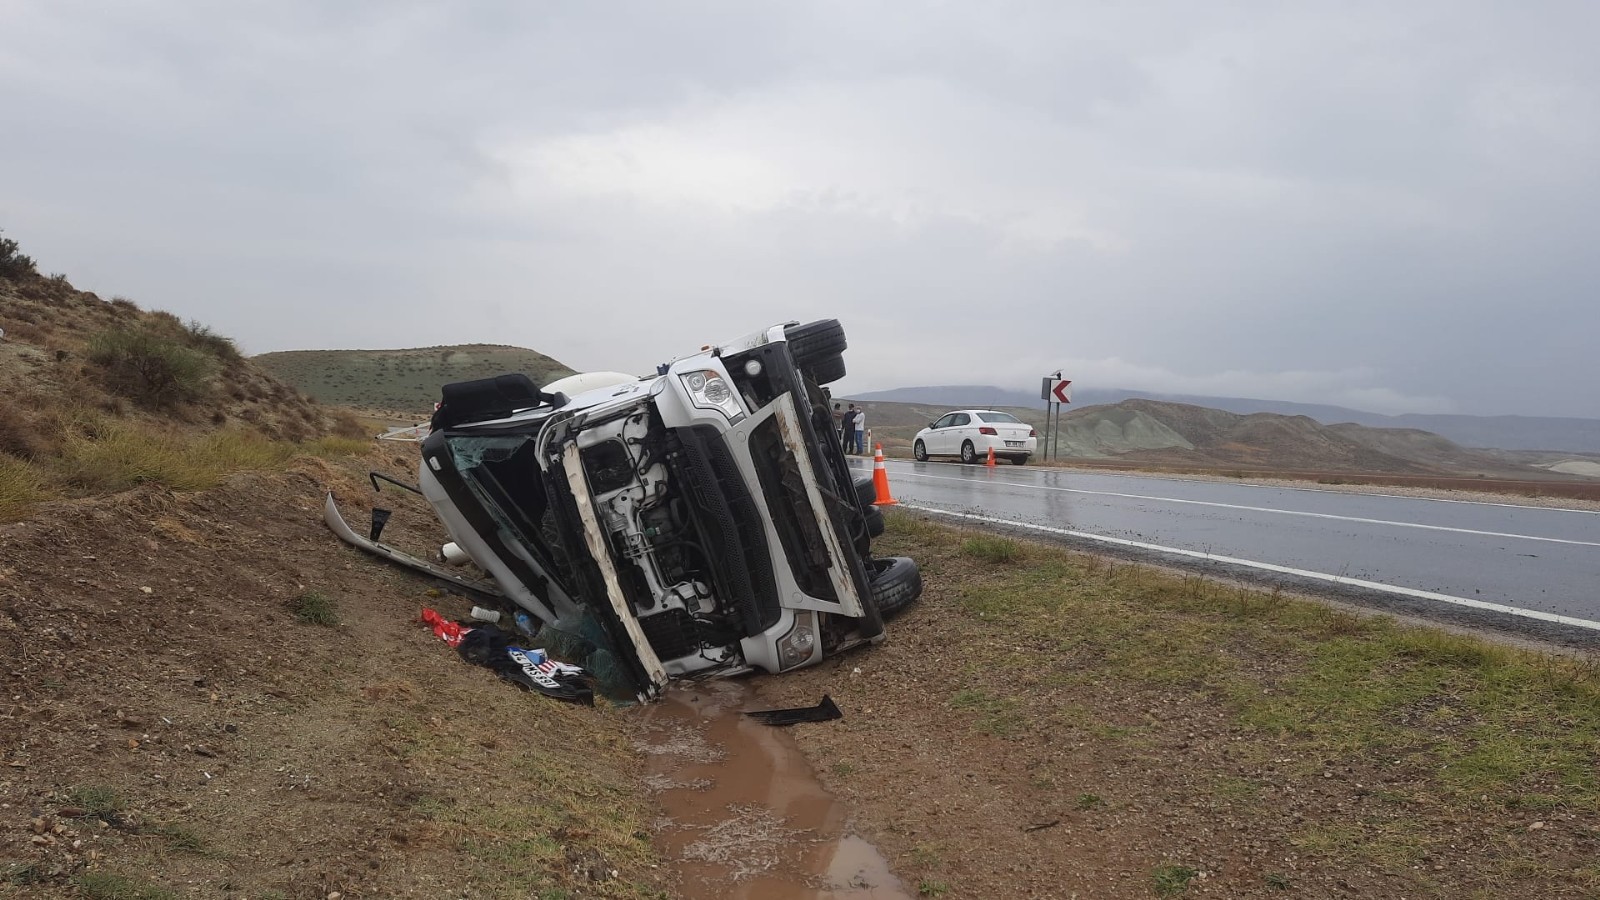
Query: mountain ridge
{"points": [[1503, 432]]}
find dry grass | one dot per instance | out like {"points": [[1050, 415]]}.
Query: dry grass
{"points": [[101, 454], [21, 484]]}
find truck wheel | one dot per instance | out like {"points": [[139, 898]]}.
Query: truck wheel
{"points": [[874, 518], [866, 491], [815, 343], [896, 584], [827, 370]]}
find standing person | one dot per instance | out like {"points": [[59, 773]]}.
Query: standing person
{"points": [[847, 427], [838, 420], [861, 432]]}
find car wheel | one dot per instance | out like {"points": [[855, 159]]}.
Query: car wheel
{"points": [[968, 454], [816, 343], [919, 452], [896, 584], [874, 517], [1019, 460]]}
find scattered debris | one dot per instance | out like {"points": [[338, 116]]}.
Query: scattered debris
{"points": [[486, 645], [826, 711]]}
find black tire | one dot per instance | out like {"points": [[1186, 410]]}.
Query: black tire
{"points": [[896, 584], [816, 343], [919, 452], [827, 370], [874, 517], [969, 455], [1019, 460], [866, 491]]}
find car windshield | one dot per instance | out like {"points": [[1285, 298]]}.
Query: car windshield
{"points": [[999, 417]]}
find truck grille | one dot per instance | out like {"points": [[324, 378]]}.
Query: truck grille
{"points": [[671, 633], [731, 525]]}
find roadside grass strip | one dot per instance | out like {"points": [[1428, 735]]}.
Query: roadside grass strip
{"points": [[1457, 762]]}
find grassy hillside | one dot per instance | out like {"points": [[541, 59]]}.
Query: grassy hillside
{"points": [[401, 380], [100, 396]]}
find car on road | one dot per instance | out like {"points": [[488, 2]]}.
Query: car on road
{"points": [[703, 520], [971, 433]]}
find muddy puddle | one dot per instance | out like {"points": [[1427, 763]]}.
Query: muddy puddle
{"points": [[744, 814]]}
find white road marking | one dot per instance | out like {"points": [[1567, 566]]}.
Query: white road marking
{"points": [[1265, 509], [1272, 487], [1270, 567]]}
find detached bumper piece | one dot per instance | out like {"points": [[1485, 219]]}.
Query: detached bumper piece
{"points": [[826, 711]]}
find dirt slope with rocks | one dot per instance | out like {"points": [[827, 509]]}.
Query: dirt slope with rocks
{"points": [[174, 727]]}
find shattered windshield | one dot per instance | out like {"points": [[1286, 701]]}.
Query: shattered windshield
{"points": [[504, 473]]}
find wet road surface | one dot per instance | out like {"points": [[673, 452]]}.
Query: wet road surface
{"points": [[1533, 564]]}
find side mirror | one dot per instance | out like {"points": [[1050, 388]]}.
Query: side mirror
{"points": [[933, 424]]}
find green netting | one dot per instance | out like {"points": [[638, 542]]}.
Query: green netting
{"points": [[590, 647]]}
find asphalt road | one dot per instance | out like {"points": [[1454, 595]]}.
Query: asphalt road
{"points": [[1531, 568]]}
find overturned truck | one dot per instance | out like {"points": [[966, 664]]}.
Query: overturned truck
{"points": [[700, 521]]}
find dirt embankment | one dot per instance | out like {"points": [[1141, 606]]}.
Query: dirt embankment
{"points": [[171, 726]]}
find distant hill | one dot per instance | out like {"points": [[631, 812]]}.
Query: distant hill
{"points": [[401, 380], [1160, 433], [1155, 431], [1502, 432]]}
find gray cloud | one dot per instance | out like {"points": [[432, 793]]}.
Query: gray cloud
{"points": [[1386, 206]]}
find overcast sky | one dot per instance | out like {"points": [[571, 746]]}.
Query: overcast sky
{"points": [[1390, 206]]}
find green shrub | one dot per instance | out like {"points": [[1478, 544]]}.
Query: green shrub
{"points": [[315, 608], [201, 337], [13, 263], [1172, 879], [96, 799], [149, 368]]}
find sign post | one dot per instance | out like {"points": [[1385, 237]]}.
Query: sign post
{"points": [[1054, 391]]}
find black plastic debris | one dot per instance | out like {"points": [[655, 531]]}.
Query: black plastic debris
{"points": [[488, 646], [826, 711], [380, 518]]}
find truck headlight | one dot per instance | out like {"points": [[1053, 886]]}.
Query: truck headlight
{"points": [[709, 390], [797, 645]]}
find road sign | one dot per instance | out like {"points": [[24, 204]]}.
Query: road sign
{"points": [[1054, 391]]}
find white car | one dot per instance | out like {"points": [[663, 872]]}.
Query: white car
{"points": [[971, 433]]}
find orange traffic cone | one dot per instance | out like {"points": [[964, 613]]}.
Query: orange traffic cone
{"points": [[990, 461], [880, 481]]}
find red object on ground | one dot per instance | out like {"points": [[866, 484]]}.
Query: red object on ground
{"points": [[449, 632]]}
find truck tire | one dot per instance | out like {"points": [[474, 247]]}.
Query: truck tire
{"points": [[896, 584], [816, 343], [874, 518], [827, 370], [866, 491]]}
